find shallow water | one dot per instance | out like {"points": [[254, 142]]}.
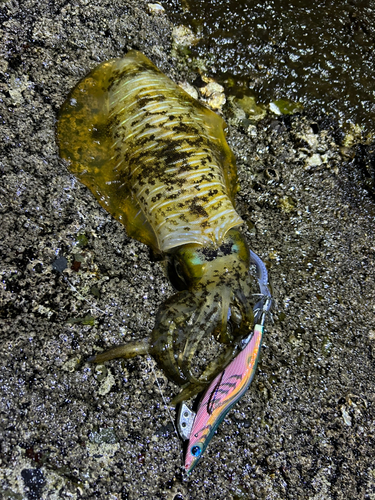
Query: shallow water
{"points": [[318, 53]]}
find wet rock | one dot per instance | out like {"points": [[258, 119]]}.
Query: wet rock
{"points": [[184, 37], [189, 89], [313, 160], [213, 94], [34, 483], [60, 264], [155, 8]]}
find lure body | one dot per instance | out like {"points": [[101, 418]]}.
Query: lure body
{"points": [[224, 391], [157, 160]]}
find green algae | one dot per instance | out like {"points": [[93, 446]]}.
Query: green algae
{"points": [[86, 320]]}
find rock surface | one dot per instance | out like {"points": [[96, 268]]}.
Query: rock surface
{"points": [[74, 283]]}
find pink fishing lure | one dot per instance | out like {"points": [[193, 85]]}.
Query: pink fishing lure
{"points": [[225, 390]]}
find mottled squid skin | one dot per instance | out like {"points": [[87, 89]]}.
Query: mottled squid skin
{"points": [[157, 160]]}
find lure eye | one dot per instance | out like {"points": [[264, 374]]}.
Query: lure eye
{"points": [[196, 451]]}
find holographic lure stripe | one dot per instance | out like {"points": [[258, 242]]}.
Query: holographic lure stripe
{"points": [[225, 390]]}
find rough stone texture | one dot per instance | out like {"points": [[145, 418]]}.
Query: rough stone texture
{"points": [[304, 430]]}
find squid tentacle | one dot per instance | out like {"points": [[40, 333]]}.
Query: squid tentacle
{"points": [[204, 325]]}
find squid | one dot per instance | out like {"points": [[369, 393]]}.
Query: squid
{"points": [[158, 161]]}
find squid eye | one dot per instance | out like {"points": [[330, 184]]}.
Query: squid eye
{"points": [[196, 451], [175, 274], [178, 269]]}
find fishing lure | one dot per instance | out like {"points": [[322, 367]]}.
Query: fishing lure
{"points": [[157, 160], [229, 386]]}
